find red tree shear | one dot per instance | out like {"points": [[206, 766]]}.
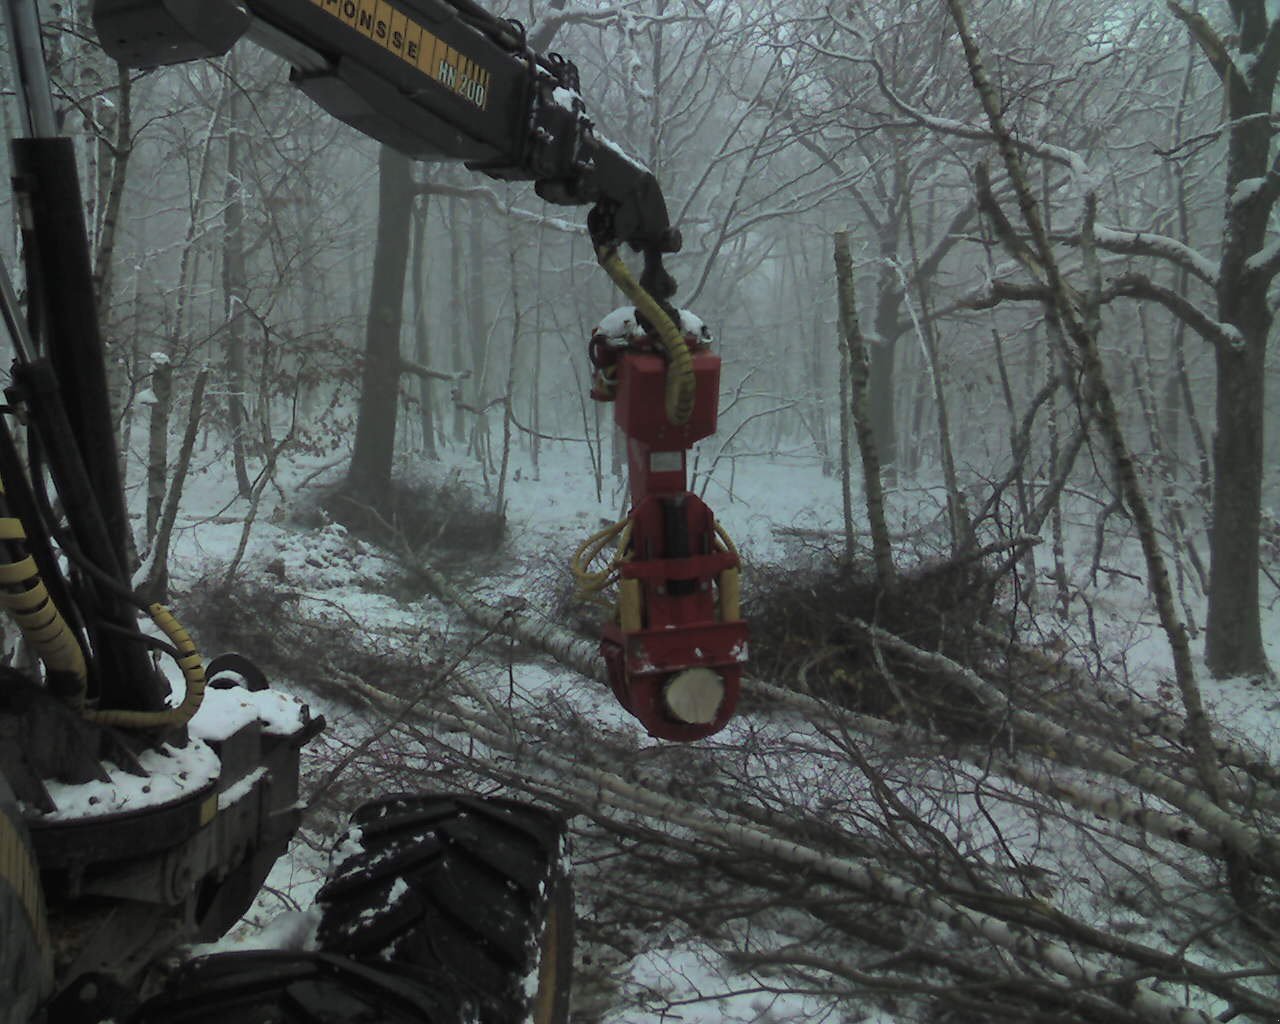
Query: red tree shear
{"points": [[676, 646]]}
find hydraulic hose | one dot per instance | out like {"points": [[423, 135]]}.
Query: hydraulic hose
{"points": [[24, 595], [192, 666], [590, 582], [679, 394]]}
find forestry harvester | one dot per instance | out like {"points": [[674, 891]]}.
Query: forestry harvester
{"points": [[138, 817]]}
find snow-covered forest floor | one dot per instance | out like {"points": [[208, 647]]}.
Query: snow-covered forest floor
{"points": [[833, 855]]}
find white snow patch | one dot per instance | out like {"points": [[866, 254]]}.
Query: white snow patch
{"points": [[1168, 248], [239, 789], [172, 772], [1246, 190], [623, 323], [612, 146], [292, 930], [1263, 256], [223, 712], [567, 98]]}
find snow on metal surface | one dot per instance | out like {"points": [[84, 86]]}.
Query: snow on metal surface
{"points": [[622, 323], [609, 144], [172, 773], [223, 712], [566, 98], [239, 789]]}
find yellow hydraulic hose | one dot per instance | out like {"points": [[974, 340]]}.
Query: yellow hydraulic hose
{"points": [[730, 581], [591, 581], [192, 673], [24, 595], [680, 380], [26, 598]]}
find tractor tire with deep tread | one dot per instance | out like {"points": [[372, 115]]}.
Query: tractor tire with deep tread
{"points": [[280, 987], [473, 888]]}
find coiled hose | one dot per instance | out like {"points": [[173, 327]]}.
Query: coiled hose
{"points": [[680, 392], [24, 595], [26, 598]]}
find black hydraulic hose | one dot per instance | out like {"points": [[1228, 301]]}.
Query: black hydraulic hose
{"points": [[70, 408], [125, 676], [62, 288], [676, 535]]}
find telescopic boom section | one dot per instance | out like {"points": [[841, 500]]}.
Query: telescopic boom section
{"points": [[435, 79]]}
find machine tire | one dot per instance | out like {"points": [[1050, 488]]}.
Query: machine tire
{"points": [[25, 971], [279, 987], [474, 889]]}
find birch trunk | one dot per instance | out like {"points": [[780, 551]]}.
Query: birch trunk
{"points": [[851, 332]]}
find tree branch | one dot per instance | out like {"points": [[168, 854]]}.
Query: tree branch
{"points": [[1207, 39], [1139, 286], [1149, 243], [418, 370]]}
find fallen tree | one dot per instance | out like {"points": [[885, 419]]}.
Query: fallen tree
{"points": [[1026, 870]]}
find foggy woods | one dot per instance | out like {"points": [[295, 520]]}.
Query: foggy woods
{"points": [[993, 283]]}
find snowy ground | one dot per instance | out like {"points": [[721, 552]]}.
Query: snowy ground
{"points": [[772, 507]]}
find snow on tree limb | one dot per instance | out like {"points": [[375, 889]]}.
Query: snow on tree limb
{"points": [[1066, 311], [1139, 286], [582, 656], [1061, 155], [1240, 835], [1149, 243], [1207, 39]]}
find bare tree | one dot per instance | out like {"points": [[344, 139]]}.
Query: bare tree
{"points": [[369, 475]]}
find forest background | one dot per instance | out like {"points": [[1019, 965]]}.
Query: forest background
{"points": [[1003, 272]]}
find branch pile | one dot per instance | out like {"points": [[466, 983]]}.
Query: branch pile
{"points": [[1049, 855]]}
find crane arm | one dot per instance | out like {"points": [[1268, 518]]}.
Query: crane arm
{"points": [[435, 79]]}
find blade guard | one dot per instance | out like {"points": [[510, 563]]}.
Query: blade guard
{"points": [[638, 682], [677, 612]]}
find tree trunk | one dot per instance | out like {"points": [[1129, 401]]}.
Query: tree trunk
{"points": [[235, 290], [883, 354], [155, 586], [158, 438], [162, 361], [421, 330], [456, 318], [122, 149], [958, 516], [369, 478], [478, 326], [851, 333], [517, 325], [1233, 631]]}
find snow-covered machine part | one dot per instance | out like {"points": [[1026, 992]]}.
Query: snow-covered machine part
{"points": [[676, 644]]}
